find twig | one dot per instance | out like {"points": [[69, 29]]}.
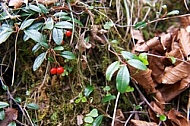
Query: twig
{"points": [[115, 109]]}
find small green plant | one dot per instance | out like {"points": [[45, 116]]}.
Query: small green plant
{"points": [[161, 117]]}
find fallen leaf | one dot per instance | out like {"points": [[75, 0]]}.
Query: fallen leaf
{"points": [[16, 3], [142, 123], [11, 114], [47, 2], [156, 110], [176, 74], [119, 117], [176, 118], [137, 35], [185, 21]]}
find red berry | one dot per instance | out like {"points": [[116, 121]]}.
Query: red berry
{"points": [[68, 33], [60, 70], [53, 70]]}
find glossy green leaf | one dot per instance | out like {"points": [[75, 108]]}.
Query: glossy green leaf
{"points": [[4, 86], [2, 114], [35, 35], [77, 100], [68, 55], [162, 118], [88, 119], [112, 68], [140, 25], [57, 35], [127, 55], [98, 121], [4, 35], [43, 8], [38, 61], [106, 88], [34, 8], [88, 90], [12, 124], [18, 99], [32, 106], [36, 47], [143, 57], [44, 44], [93, 113], [49, 24], [137, 64], [108, 25], [36, 26], [83, 99], [129, 89], [88, 124], [108, 98], [59, 14], [3, 104], [26, 23], [64, 24], [174, 12], [58, 48], [122, 79]]}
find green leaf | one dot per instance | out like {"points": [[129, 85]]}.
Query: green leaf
{"points": [[38, 61], [58, 48], [4, 35], [87, 124], [36, 26], [3, 104], [88, 119], [34, 8], [35, 35], [59, 14], [18, 99], [57, 35], [112, 68], [173, 59], [93, 113], [143, 57], [84, 99], [2, 114], [64, 24], [77, 100], [26, 23], [108, 25], [49, 24], [140, 25], [12, 124], [32, 106], [44, 44], [122, 79], [36, 47], [174, 12], [137, 107], [108, 98], [68, 55], [162, 118], [43, 8], [129, 89], [98, 121], [4, 86], [128, 55], [88, 90], [137, 64], [106, 88]]}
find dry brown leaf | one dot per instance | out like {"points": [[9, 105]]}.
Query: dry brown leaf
{"points": [[119, 117], [144, 79], [11, 114], [142, 123], [16, 3], [184, 42], [160, 101], [176, 118], [176, 74], [185, 21], [156, 109], [47, 2], [137, 35]]}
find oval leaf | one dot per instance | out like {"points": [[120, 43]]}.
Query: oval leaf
{"points": [[93, 113], [49, 24], [2, 114], [58, 36], [4, 35], [36, 47], [122, 79], [3, 104], [32, 106], [38, 61], [88, 90], [64, 24], [127, 55], [108, 98], [26, 23], [58, 48], [68, 55], [35, 35], [12, 124], [111, 70], [140, 25], [174, 12], [137, 64], [98, 120], [88, 119], [34, 8]]}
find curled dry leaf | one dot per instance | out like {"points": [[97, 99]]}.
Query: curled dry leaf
{"points": [[184, 42], [16, 3], [10, 115], [137, 35], [142, 123], [176, 118], [156, 109], [47, 2], [177, 73]]}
